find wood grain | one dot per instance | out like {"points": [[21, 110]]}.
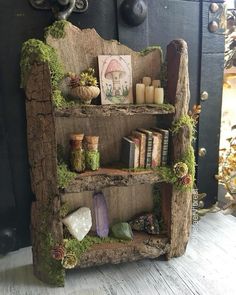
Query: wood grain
{"points": [[178, 88], [79, 50], [43, 165]]}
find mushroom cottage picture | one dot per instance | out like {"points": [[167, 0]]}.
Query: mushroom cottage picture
{"points": [[115, 72]]}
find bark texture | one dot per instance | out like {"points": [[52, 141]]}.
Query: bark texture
{"points": [[179, 96], [142, 246], [45, 224], [84, 111], [78, 51]]}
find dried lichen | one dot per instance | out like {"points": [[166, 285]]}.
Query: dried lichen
{"points": [[57, 29]]}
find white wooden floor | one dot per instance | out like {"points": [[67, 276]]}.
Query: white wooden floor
{"points": [[208, 267]]}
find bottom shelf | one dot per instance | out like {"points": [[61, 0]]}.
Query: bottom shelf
{"points": [[142, 246]]}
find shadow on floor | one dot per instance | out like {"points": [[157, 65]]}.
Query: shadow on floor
{"points": [[20, 276]]}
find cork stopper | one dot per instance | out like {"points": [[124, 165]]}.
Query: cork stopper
{"points": [[91, 142], [76, 136], [92, 139]]}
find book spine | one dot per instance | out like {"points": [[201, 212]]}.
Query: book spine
{"points": [[165, 145], [156, 150], [149, 151]]}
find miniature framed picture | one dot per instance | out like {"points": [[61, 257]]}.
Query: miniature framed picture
{"points": [[115, 74]]}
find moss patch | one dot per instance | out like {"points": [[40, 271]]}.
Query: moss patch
{"points": [[184, 120], [150, 49], [80, 247], [56, 30], [49, 266], [35, 51], [60, 102], [64, 176]]}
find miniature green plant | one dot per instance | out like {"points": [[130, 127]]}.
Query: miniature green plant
{"points": [[85, 78]]}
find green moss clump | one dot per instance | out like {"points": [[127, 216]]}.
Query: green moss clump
{"points": [[189, 159], [64, 210], [56, 30], [35, 51], [60, 102], [51, 267], [150, 49], [184, 120], [64, 176], [167, 107], [167, 174]]}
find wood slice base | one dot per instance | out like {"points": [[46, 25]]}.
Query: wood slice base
{"points": [[142, 246]]}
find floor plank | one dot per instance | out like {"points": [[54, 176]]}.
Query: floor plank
{"points": [[207, 268]]}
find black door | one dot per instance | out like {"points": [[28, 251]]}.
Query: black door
{"points": [[166, 20]]}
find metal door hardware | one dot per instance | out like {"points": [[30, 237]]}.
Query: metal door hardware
{"points": [[134, 12], [61, 8], [204, 95], [202, 152], [217, 18]]}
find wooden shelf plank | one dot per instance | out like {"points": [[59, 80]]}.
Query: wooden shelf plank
{"points": [[107, 177], [142, 246], [83, 111]]}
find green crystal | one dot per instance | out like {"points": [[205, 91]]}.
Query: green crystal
{"points": [[122, 231]]}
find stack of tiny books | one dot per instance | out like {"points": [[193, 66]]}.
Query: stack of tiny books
{"points": [[145, 148]]}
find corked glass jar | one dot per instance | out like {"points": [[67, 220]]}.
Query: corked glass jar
{"points": [[77, 153], [92, 154]]}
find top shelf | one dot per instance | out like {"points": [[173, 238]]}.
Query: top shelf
{"points": [[83, 111]]}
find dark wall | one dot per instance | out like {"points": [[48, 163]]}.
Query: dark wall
{"points": [[18, 23]]}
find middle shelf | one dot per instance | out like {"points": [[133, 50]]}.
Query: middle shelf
{"points": [[107, 177], [83, 111]]}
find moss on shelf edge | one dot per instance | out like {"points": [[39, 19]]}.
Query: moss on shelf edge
{"points": [[64, 175], [56, 30]]}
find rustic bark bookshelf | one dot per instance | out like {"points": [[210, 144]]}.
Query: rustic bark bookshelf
{"points": [[127, 193]]}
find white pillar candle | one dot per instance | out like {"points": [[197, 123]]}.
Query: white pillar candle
{"points": [[156, 83], [159, 96], [149, 94], [140, 93], [147, 81]]}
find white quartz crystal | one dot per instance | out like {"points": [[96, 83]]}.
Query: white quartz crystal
{"points": [[79, 223]]}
